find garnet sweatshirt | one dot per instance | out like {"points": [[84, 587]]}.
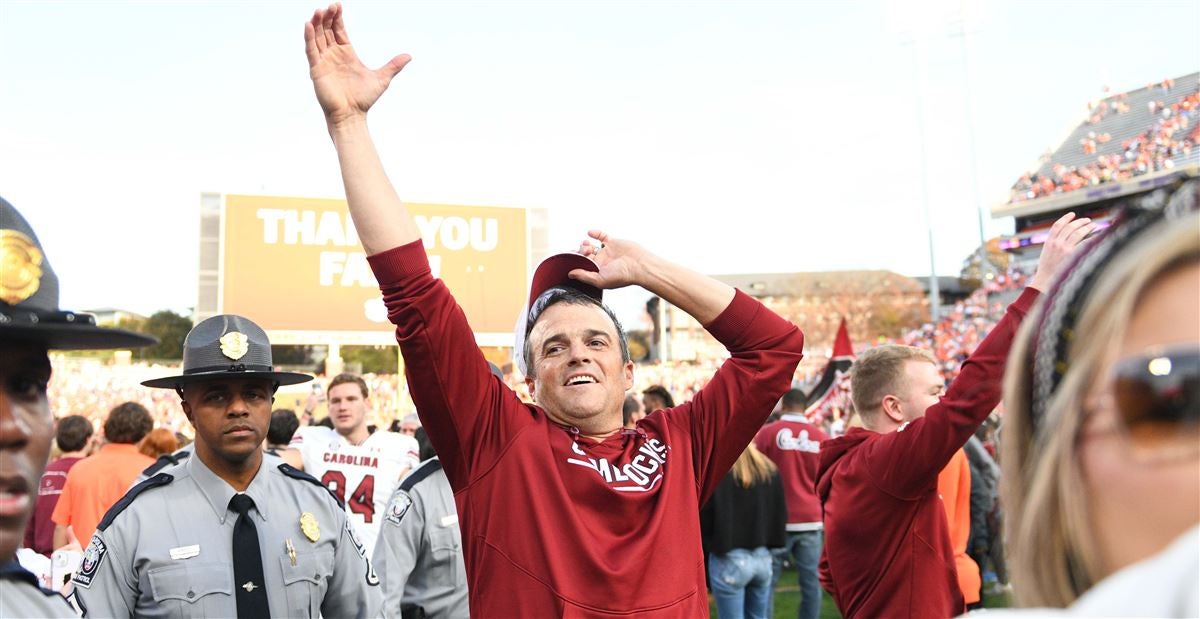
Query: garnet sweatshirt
{"points": [[887, 546]]}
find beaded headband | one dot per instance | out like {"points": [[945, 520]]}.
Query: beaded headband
{"points": [[1057, 327]]}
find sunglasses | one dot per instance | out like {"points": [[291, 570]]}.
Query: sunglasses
{"points": [[1157, 395]]}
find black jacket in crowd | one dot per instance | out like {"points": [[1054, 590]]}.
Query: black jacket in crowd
{"points": [[737, 517]]}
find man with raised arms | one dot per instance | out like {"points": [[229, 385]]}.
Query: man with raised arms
{"points": [[563, 513], [888, 550]]}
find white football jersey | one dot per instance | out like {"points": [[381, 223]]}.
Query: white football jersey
{"points": [[363, 476]]}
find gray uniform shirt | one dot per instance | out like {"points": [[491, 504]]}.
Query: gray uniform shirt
{"points": [[165, 550], [166, 461], [419, 551], [20, 595]]}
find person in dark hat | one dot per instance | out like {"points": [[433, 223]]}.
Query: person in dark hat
{"points": [[31, 324], [562, 511], [228, 532]]}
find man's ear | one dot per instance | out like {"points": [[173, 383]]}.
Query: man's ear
{"points": [[187, 410], [891, 407], [628, 375], [530, 385]]}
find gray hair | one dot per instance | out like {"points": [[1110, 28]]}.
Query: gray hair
{"points": [[562, 294]]}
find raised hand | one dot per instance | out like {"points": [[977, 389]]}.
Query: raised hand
{"points": [[621, 262], [345, 87], [624, 262], [1066, 236]]}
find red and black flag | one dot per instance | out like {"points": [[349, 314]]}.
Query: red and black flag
{"points": [[833, 390]]}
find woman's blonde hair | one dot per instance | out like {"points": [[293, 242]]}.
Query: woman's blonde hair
{"points": [[753, 467], [1050, 541]]}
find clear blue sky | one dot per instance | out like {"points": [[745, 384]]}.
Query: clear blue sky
{"points": [[732, 137]]}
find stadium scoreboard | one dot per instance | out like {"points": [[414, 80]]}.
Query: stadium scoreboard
{"points": [[295, 266]]}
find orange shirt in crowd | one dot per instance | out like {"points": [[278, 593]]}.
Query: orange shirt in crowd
{"points": [[95, 484], [954, 486]]}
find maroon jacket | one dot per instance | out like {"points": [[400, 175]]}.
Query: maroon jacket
{"points": [[792, 444], [887, 545], [554, 524]]}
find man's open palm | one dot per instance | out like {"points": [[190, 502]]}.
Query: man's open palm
{"points": [[345, 86]]}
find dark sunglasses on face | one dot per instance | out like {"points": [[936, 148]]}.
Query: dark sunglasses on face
{"points": [[1161, 387]]}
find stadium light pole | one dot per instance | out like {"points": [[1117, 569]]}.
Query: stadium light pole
{"points": [[985, 267], [935, 297]]}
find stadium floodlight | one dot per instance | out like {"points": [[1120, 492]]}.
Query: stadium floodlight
{"points": [[935, 299]]}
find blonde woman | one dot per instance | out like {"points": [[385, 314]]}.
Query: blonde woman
{"points": [[1101, 447], [743, 520]]}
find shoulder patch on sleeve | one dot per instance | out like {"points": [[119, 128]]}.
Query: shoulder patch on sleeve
{"points": [[423, 470], [92, 557], [296, 473], [164, 461], [160, 479], [398, 506]]}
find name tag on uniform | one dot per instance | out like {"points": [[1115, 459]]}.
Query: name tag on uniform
{"points": [[450, 520], [185, 552]]}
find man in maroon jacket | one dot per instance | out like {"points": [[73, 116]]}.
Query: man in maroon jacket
{"points": [[887, 544], [562, 513]]}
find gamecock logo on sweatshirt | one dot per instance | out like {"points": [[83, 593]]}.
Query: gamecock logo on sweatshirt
{"points": [[785, 440], [642, 473]]}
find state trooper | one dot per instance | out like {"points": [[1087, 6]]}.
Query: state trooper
{"points": [[418, 555], [227, 532], [31, 324]]}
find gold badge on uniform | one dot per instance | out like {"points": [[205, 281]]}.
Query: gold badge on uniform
{"points": [[20, 267], [309, 526], [234, 345]]}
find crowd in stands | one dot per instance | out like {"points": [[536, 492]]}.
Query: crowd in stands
{"points": [[90, 388], [1172, 135]]}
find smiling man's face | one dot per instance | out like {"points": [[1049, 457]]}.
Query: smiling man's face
{"points": [[231, 416], [578, 375]]}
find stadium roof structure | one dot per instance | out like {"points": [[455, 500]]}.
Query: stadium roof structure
{"points": [[1119, 118], [821, 283], [948, 285]]}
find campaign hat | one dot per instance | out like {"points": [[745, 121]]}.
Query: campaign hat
{"points": [[29, 297], [223, 347]]}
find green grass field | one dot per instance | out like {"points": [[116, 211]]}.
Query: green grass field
{"points": [[787, 600]]}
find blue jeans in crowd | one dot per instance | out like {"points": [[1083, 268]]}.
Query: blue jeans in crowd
{"points": [[804, 547], [741, 582]]}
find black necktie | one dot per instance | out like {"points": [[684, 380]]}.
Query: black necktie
{"points": [[249, 585]]}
